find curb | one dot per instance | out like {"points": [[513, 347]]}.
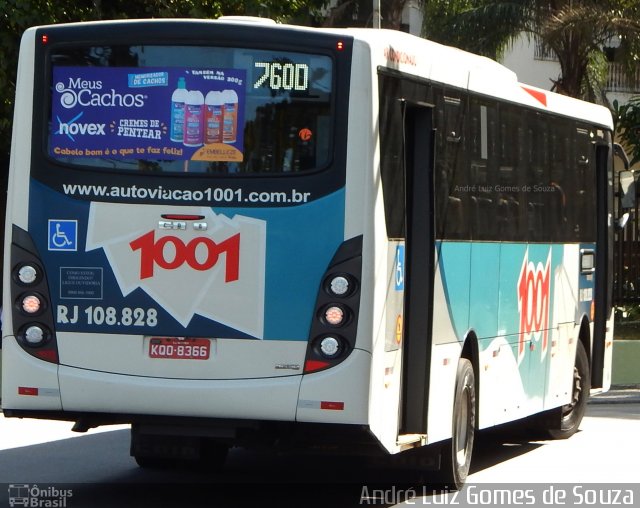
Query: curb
{"points": [[620, 394]]}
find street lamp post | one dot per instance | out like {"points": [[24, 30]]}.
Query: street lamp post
{"points": [[376, 14]]}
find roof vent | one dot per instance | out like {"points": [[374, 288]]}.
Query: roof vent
{"points": [[247, 19]]}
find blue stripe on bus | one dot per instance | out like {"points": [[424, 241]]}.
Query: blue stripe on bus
{"points": [[300, 244], [481, 284]]}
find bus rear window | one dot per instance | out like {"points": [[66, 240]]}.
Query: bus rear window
{"points": [[190, 109]]}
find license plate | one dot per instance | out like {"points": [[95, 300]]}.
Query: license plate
{"points": [[175, 348]]}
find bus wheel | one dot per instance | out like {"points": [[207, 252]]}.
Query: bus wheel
{"points": [[456, 453], [571, 414]]}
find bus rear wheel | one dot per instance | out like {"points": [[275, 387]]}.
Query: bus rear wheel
{"points": [[571, 414], [456, 453]]}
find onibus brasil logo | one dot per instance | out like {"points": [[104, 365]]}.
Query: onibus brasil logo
{"points": [[23, 494]]}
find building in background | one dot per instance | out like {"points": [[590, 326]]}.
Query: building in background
{"points": [[538, 66]]}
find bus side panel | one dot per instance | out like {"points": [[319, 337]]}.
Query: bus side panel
{"points": [[445, 353], [450, 327], [265, 399], [528, 292], [364, 193], [608, 356], [18, 190], [565, 328], [444, 364], [386, 363], [17, 204], [27, 382]]}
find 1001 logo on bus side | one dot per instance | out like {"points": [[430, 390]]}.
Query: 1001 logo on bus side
{"points": [[534, 284]]}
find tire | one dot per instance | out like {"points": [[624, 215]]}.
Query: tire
{"points": [[456, 453], [571, 414]]}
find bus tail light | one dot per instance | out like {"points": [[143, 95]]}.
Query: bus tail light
{"points": [[333, 331], [340, 285], [31, 304], [335, 315], [34, 334], [32, 315], [28, 274], [314, 365], [330, 346]]}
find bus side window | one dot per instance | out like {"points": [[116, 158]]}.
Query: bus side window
{"points": [[482, 202], [510, 178], [583, 162], [391, 154], [452, 195]]}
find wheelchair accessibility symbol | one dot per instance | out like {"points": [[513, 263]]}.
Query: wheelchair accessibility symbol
{"points": [[63, 234], [399, 268]]}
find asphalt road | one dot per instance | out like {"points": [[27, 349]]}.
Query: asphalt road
{"points": [[95, 469]]}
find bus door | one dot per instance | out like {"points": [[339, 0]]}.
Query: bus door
{"points": [[601, 355], [419, 274]]}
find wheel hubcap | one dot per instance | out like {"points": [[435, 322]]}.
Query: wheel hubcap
{"points": [[577, 392], [462, 429]]}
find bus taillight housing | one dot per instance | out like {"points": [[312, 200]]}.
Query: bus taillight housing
{"points": [[32, 313], [333, 330]]}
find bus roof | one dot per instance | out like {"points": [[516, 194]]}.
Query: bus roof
{"points": [[426, 59], [445, 64]]}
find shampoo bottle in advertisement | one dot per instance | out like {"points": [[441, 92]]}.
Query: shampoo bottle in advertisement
{"points": [[178, 99], [194, 119], [230, 116], [213, 104]]}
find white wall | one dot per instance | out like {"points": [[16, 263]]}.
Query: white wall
{"points": [[520, 59]]}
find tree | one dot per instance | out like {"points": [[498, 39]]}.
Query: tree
{"points": [[626, 119], [575, 30], [18, 15]]}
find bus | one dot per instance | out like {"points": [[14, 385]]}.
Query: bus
{"points": [[234, 232]]}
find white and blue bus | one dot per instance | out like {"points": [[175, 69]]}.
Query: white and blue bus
{"points": [[236, 232]]}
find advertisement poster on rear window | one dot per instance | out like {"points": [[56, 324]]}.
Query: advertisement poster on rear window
{"points": [[148, 113]]}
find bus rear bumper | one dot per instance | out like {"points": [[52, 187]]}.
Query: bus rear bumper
{"points": [[38, 389], [256, 399]]}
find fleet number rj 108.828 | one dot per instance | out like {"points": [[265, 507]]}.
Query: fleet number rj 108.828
{"points": [[110, 316]]}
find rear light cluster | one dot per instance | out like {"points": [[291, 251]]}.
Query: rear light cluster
{"points": [[32, 314], [333, 331]]}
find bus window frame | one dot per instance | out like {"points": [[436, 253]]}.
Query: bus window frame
{"points": [[45, 82]]}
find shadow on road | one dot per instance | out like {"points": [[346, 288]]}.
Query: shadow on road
{"points": [[98, 472]]}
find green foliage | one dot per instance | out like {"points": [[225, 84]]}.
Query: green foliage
{"points": [[592, 86], [575, 30], [18, 15], [480, 26], [627, 124]]}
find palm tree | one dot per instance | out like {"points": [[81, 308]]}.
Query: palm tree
{"points": [[575, 30]]}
